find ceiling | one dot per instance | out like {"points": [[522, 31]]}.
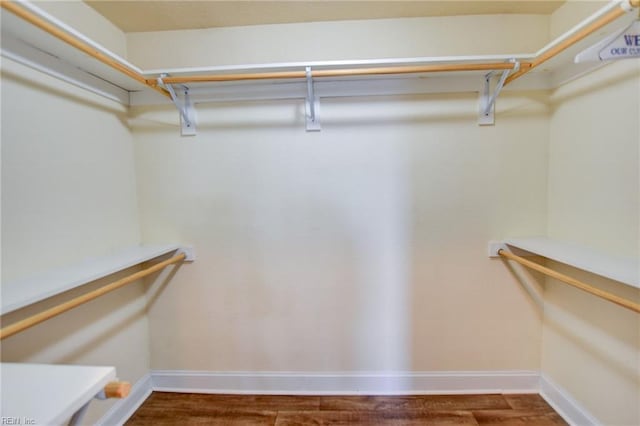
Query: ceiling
{"points": [[162, 15]]}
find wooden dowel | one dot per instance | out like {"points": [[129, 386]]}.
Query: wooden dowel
{"points": [[572, 281], [561, 47], [229, 77], [525, 68], [117, 389], [38, 22], [86, 48], [335, 73], [21, 325], [414, 69]]}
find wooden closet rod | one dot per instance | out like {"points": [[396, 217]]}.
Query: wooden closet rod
{"points": [[337, 72], [50, 28], [21, 325], [609, 17], [152, 83], [572, 281], [117, 389]]}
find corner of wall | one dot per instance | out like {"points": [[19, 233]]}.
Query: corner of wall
{"points": [[570, 14], [591, 347]]}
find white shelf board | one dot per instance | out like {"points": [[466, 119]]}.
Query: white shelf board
{"points": [[622, 269], [33, 47], [32, 57], [16, 28], [48, 394], [23, 292]]}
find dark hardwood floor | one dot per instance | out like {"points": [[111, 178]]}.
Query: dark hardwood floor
{"points": [[163, 408]]}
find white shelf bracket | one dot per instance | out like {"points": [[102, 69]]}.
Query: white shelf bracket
{"points": [[488, 99], [312, 105], [189, 253], [77, 417], [186, 108], [494, 247]]}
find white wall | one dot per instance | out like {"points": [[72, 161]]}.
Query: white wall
{"points": [[68, 193], [362, 247], [358, 248], [342, 40], [592, 347]]}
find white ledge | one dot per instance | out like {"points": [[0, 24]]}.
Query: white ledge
{"points": [[623, 269], [20, 293], [48, 394], [27, 44]]}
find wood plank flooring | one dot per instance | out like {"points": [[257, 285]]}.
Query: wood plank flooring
{"points": [[163, 408]]}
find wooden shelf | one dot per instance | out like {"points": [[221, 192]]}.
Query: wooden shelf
{"points": [[24, 292], [49, 394], [624, 270]]}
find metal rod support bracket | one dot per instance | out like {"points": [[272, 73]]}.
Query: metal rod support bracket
{"points": [[185, 107], [488, 99], [312, 105], [76, 419]]}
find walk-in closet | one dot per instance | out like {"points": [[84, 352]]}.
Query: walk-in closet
{"points": [[320, 212]]}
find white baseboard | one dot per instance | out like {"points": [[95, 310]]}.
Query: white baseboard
{"points": [[561, 401], [123, 409], [346, 383]]}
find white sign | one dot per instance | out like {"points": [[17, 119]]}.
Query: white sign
{"points": [[626, 45]]}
